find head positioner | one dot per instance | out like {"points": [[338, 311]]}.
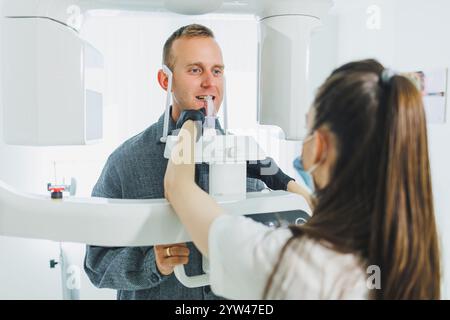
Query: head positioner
{"points": [[169, 74]]}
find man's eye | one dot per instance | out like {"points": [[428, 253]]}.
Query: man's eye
{"points": [[195, 70], [218, 72]]}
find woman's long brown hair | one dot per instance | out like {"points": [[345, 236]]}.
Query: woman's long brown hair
{"points": [[378, 204]]}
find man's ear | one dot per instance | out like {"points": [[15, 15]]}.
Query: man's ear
{"points": [[163, 79]]}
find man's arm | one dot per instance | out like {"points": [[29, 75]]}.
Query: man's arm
{"points": [[120, 268], [131, 268]]}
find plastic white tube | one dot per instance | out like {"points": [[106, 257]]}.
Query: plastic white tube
{"points": [[224, 106], [169, 74], [210, 120]]}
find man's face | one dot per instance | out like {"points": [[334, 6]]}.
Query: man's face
{"points": [[197, 72]]}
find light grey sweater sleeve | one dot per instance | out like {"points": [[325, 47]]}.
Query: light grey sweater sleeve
{"points": [[120, 268]]}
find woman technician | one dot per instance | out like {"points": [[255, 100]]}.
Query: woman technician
{"points": [[368, 156]]}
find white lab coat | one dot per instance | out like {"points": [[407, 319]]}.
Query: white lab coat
{"points": [[243, 253]]}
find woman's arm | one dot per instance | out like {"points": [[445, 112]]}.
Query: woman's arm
{"points": [[195, 208], [294, 187]]}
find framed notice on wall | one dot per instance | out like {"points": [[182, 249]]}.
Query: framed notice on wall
{"points": [[433, 85]]}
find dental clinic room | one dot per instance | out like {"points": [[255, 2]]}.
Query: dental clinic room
{"points": [[222, 150]]}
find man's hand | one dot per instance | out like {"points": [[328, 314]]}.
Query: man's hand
{"points": [[268, 172], [169, 256]]}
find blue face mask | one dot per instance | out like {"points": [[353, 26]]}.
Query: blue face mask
{"points": [[305, 175]]}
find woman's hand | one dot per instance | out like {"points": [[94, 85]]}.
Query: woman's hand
{"points": [[181, 166], [294, 187], [268, 172]]}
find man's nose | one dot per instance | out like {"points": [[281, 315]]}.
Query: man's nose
{"points": [[207, 79]]}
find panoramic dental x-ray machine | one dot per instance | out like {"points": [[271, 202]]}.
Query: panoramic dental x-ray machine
{"points": [[48, 86]]}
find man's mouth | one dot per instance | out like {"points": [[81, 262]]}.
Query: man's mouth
{"points": [[203, 97]]}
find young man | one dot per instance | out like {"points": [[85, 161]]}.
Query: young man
{"points": [[135, 170]]}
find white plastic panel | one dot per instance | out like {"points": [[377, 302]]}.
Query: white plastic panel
{"points": [[228, 180], [117, 222], [66, 12], [44, 84], [284, 74]]}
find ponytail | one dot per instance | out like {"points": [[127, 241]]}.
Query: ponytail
{"points": [[404, 240]]}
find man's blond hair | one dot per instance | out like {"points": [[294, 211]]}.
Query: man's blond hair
{"points": [[189, 31]]}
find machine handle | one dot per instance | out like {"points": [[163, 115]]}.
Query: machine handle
{"points": [[193, 281]]}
